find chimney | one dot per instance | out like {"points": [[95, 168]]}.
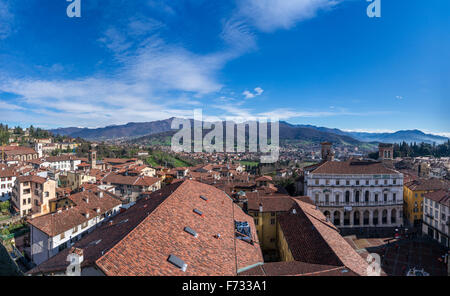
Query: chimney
{"points": [[76, 253]]}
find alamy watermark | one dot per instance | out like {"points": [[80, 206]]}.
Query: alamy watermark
{"points": [[74, 8], [241, 135], [374, 8]]}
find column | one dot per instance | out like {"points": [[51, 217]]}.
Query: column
{"points": [[351, 218], [370, 217], [341, 216], [389, 216], [332, 217]]}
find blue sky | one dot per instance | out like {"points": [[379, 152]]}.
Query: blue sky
{"points": [[321, 62]]}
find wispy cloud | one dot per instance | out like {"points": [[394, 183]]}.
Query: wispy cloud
{"points": [[6, 19], [270, 15], [153, 79]]}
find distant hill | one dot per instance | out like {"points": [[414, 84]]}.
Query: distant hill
{"points": [[288, 133], [159, 132], [127, 131], [408, 136]]}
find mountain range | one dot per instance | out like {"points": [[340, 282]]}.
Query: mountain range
{"points": [[309, 133]]}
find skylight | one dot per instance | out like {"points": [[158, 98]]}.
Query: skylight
{"points": [[198, 212], [204, 198], [177, 262], [191, 231]]}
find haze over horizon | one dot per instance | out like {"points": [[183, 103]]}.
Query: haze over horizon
{"points": [[318, 62]]}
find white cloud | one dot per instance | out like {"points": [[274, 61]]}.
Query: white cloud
{"points": [[399, 97], [270, 15], [257, 92]]}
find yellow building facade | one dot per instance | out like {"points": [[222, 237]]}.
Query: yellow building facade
{"points": [[413, 193]]}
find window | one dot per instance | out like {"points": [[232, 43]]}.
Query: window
{"points": [[357, 182], [394, 196], [327, 182], [337, 182], [376, 182], [367, 182], [317, 182], [376, 197], [272, 221], [272, 214], [394, 181], [29, 200], [24, 202], [385, 182], [385, 197], [256, 221], [35, 202], [347, 182]]}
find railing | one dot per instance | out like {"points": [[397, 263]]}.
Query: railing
{"points": [[359, 204]]}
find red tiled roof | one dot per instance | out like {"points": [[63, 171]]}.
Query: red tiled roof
{"points": [[353, 167], [440, 196], [154, 229], [145, 250], [427, 184], [281, 203], [7, 172], [31, 178], [312, 239], [85, 202]]}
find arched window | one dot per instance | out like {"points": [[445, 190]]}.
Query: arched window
{"points": [[347, 196], [337, 218]]}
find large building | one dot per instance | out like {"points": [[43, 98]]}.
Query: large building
{"points": [[413, 194], [63, 162], [17, 154], [436, 216], [131, 188], [31, 195], [357, 193], [75, 216], [185, 229]]}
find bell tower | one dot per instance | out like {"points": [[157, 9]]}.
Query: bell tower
{"points": [[93, 157], [327, 151], [385, 151]]}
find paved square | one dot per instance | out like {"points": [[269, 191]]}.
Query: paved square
{"points": [[399, 255]]}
